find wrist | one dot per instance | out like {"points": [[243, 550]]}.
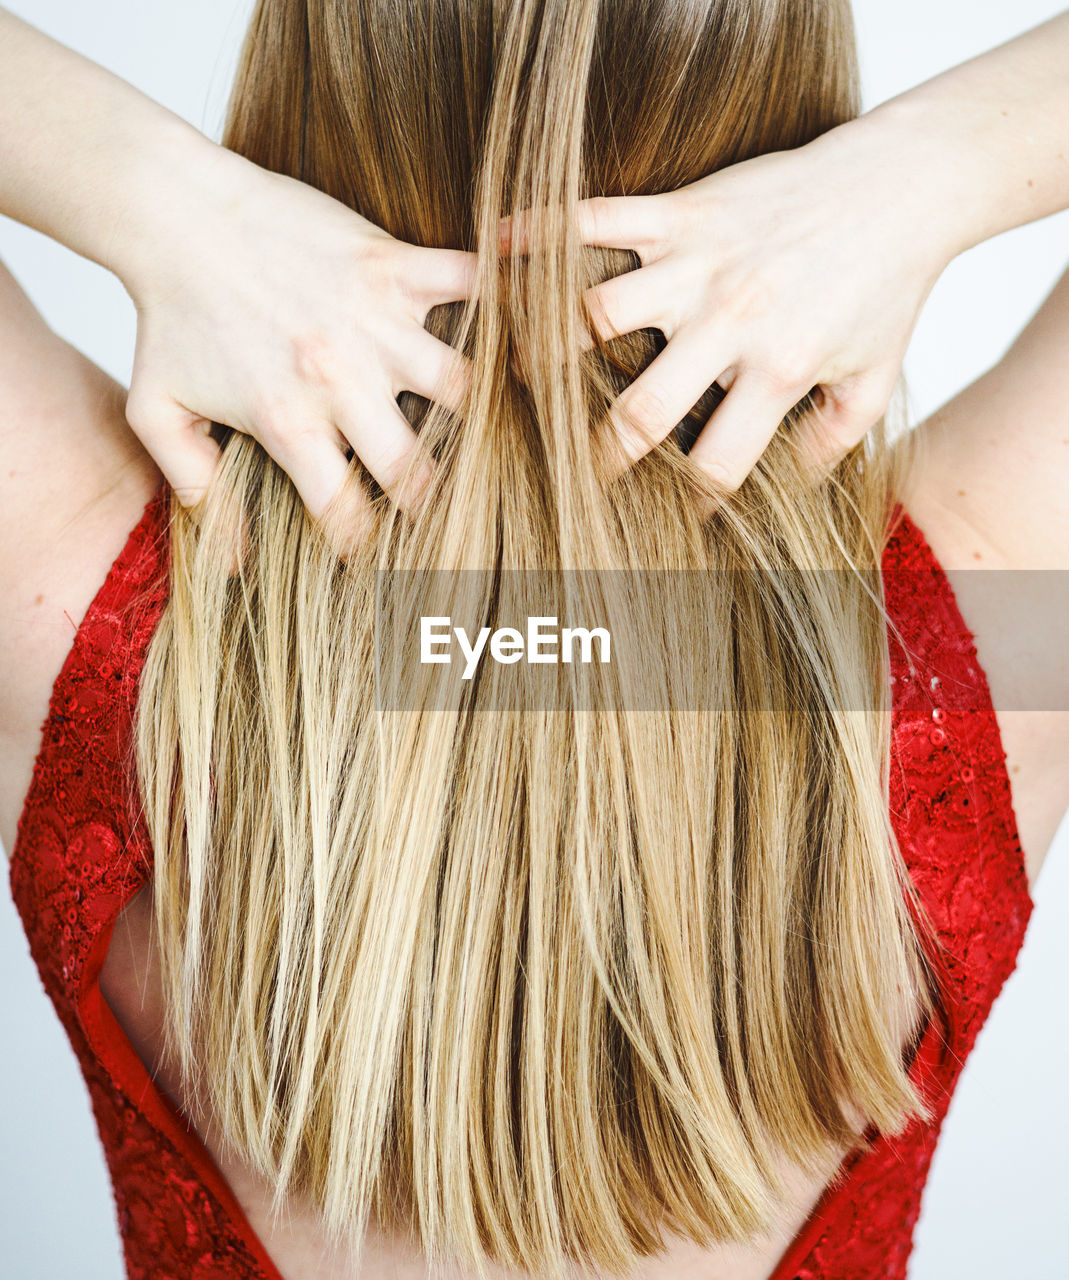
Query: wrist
{"points": [[172, 195], [873, 165], [983, 145], [925, 178], [939, 168], [172, 215], [90, 160]]}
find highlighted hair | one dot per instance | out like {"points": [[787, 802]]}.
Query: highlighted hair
{"points": [[540, 986]]}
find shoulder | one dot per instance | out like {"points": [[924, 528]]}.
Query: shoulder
{"points": [[989, 493], [993, 484], [69, 454], [74, 482]]}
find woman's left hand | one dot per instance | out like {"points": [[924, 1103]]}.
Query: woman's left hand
{"points": [[278, 311]]}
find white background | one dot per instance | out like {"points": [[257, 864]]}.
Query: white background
{"points": [[995, 1203]]}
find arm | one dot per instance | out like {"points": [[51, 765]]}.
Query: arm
{"points": [[807, 268], [237, 323], [992, 491], [993, 140], [62, 434], [87, 159], [989, 139]]}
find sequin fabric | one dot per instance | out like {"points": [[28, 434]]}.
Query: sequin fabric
{"points": [[81, 853]]}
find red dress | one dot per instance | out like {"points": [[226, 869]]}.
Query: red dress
{"points": [[79, 857]]}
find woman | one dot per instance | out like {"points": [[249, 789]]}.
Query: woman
{"points": [[634, 994]]}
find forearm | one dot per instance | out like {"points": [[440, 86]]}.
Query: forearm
{"points": [[86, 158], [985, 145]]}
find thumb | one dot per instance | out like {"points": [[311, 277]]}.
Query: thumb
{"points": [[178, 442], [843, 416]]}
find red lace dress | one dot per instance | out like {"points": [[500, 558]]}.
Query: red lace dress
{"points": [[79, 857]]}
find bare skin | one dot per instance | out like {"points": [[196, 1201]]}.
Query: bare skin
{"points": [[206, 244], [76, 477], [130, 977]]}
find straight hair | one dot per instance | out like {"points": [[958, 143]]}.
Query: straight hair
{"points": [[540, 983]]}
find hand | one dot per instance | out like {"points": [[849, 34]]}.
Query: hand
{"points": [[790, 271], [279, 312]]}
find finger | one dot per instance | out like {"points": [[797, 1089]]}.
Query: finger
{"points": [[314, 460], [740, 429], [610, 222], [666, 391], [820, 446], [436, 276], [632, 300], [514, 232], [436, 370], [845, 414], [334, 498], [382, 438], [624, 222], [178, 442]]}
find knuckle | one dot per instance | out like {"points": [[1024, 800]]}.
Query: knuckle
{"points": [[382, 260], [829, 436], [313, 358], [862, 405], [753, 297], [393, 468], [684, 213], [376, 249], [791, 370], [142, 410], [598, 305], [272, 424], [598, 209], [455, 383]]}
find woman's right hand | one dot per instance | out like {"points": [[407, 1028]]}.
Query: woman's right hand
{"points": [[786, 272]]}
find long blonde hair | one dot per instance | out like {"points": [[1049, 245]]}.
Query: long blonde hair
{"points": [[540, 982]]}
